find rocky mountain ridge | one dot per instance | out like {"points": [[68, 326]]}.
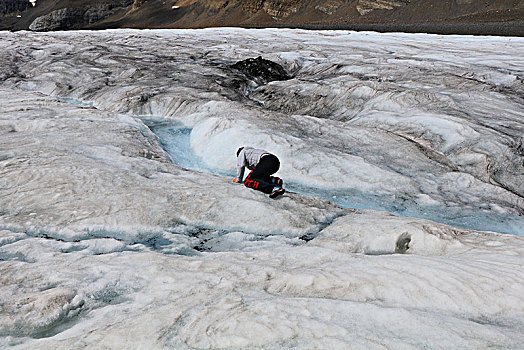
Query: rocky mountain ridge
{"points": [[505, 16]]}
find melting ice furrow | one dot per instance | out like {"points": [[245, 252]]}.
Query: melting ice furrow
{"points": [[175, 139]]}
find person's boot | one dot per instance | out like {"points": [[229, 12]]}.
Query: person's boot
{"points": [[277, 191]]}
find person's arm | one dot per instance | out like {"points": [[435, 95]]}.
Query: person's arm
{"points": [[241, 165]]}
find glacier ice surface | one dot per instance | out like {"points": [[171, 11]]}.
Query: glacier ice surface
{"points": [[120, 226]]}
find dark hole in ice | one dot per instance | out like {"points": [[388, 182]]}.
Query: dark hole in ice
{"points": [[402, 244], [261, 70]]}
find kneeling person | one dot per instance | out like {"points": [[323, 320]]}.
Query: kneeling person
{"points": [[262, 165]]}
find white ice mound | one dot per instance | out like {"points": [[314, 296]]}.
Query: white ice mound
{"points": [[376, 233]]}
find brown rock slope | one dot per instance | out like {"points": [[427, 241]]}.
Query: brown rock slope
{"points": [[501, 17]]}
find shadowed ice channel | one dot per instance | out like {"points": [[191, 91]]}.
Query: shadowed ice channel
{"points": [[175, 139]]}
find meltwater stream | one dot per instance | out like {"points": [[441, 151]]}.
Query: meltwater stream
{"points": [[175, 139]]}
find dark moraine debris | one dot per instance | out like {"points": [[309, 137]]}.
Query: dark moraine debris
{"points": [[262, 71]]}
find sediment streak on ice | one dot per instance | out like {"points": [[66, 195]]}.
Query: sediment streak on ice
{"points": [[103, 240]]}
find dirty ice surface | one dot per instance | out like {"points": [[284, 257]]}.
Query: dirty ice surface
{"points": [[120, 226]]}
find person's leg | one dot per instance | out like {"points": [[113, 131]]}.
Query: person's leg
{"points": [[259, 179], [276, 181]]}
